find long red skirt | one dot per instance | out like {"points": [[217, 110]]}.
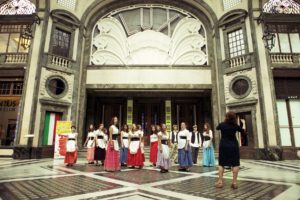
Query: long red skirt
{"points": [[71, 157], [135, 159], [153, 152], [112, 160]]}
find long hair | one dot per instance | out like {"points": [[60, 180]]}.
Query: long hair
{"points": [[112, 120], [155, 131], [132, 128], [101, 124], [207, 127], [165, 130], [230, 117], [157, 128], [123, 128]]}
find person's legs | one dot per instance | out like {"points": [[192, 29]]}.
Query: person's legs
{"points": [[176, 153], [235, 171], [196, 155], [219, 183]]}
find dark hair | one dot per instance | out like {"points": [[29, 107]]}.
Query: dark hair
{"points": [[164, 131], [112, 120], [208, 127], [155, 131], [100, 125], [156, 127], [230, 117], [73, 126], [132, 125], [123, 128]]}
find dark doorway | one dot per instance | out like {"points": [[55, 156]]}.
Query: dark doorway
{"points": [[191, 111], [148, 112], [101, 110], [245, 121]]}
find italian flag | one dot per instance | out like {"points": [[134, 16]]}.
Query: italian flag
{"points": [[50, 127]]}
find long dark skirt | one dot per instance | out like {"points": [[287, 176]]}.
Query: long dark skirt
{"points": [[99, 153]]}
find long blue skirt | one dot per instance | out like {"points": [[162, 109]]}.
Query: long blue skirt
{"points": [[123, 155], [185, 158], [209, 156]]}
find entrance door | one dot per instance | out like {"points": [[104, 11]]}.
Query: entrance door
{"points": [[106, 109], [148, 112], [191, 111], [245, 121]]}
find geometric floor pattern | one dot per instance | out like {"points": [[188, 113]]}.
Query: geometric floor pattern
{"points": [[53, 187], [143, 176], [204, 187], [134, 195], [50, 179]]}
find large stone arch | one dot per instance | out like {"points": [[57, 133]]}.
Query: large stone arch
{"points": [[198, 8]]}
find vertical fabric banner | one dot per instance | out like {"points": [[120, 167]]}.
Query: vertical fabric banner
{"points": [[168, 115], [51, 119], [62, 129], [129, 111]]}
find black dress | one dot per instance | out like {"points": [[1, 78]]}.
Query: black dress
{"points": [[229, 152]]}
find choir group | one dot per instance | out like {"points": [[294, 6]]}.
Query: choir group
{"points": [[115, 148]]}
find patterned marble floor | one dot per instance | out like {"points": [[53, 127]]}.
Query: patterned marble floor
{"points": [[50, 179]]}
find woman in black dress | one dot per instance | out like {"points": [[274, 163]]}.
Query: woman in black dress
{"points": [[229, 152]]}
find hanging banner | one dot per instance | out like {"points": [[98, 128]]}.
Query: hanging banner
{"points": [[129, 111], [63, 128], [168, 115]]}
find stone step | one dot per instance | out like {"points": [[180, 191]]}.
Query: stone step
{"points": [[6, 152]]}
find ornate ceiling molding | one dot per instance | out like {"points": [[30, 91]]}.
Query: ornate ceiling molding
{"points": [[111, 46], [282, 7], [149, 35], [17, 7]]}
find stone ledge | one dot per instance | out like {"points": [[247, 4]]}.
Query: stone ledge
{"points": [[242, 102], [55, 102]]}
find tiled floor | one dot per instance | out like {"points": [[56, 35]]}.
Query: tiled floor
{"points": [[50, 179]]}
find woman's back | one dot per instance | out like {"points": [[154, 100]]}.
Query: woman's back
{"points": [[228, 131]]}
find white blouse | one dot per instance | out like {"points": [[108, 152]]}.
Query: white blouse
{"points": [[182, 142], [71, 142], [153, 138], [125, 141], [101, 142], [115, 132], [134, 144], [163, 136], [91, 142], [209, 134]]}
